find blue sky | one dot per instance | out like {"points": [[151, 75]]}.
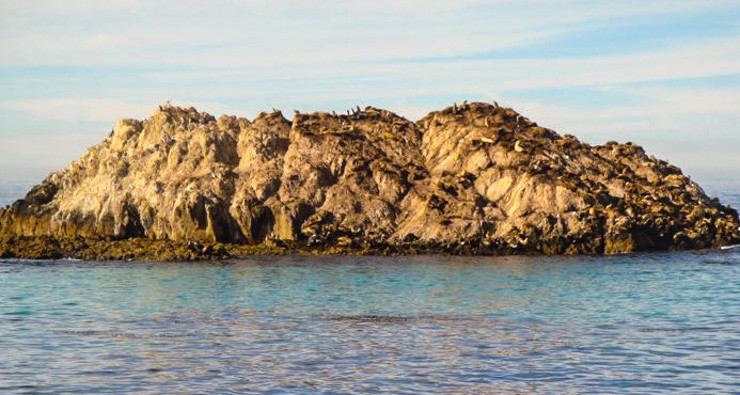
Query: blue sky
{"points": [[664, 74]]}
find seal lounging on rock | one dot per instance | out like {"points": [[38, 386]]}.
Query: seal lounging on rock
{"points": [[470, 179]]}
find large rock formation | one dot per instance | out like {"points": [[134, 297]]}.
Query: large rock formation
{"points": [[476, 178]]}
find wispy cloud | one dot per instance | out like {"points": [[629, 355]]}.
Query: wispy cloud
{"points": [[252, 33], [98, 109], [72, 110], [89, 62]]}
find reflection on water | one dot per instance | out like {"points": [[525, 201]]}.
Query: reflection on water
{"points": [[643, 323]]}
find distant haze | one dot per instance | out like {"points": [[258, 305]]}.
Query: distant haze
{"points": [[662, 73]]}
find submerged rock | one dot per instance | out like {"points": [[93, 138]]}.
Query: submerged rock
{"points": [[474, 179]]}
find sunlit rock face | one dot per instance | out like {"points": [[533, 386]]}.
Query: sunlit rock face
{"points": [[475, 178]]}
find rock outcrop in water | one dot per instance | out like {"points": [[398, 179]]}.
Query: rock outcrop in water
{"points": [[473, 179]]}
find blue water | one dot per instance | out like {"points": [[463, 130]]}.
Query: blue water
{"points": [[645, 323]]}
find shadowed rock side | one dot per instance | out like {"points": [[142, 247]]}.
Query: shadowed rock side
{"points": [[473, 179]]}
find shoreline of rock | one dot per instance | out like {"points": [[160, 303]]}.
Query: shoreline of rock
{"points": [[475, 179], [48, 248]]}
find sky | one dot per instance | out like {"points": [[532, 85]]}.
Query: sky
{"points": [[661, 73]]}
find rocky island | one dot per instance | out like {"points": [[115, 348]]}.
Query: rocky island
{"points": [[470, 179]]}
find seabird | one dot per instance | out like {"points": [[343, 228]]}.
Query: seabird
{"points": [[518, 147]]}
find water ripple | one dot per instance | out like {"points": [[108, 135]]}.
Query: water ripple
{"points": [[642, 323]]}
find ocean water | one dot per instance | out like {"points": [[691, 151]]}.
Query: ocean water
{"points": [[641, 323], [644, 323]]}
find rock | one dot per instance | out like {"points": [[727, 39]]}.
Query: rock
{"points": [[473, 179]]}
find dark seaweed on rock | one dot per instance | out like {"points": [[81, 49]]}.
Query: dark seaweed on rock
{"points": [[470, 179]]}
